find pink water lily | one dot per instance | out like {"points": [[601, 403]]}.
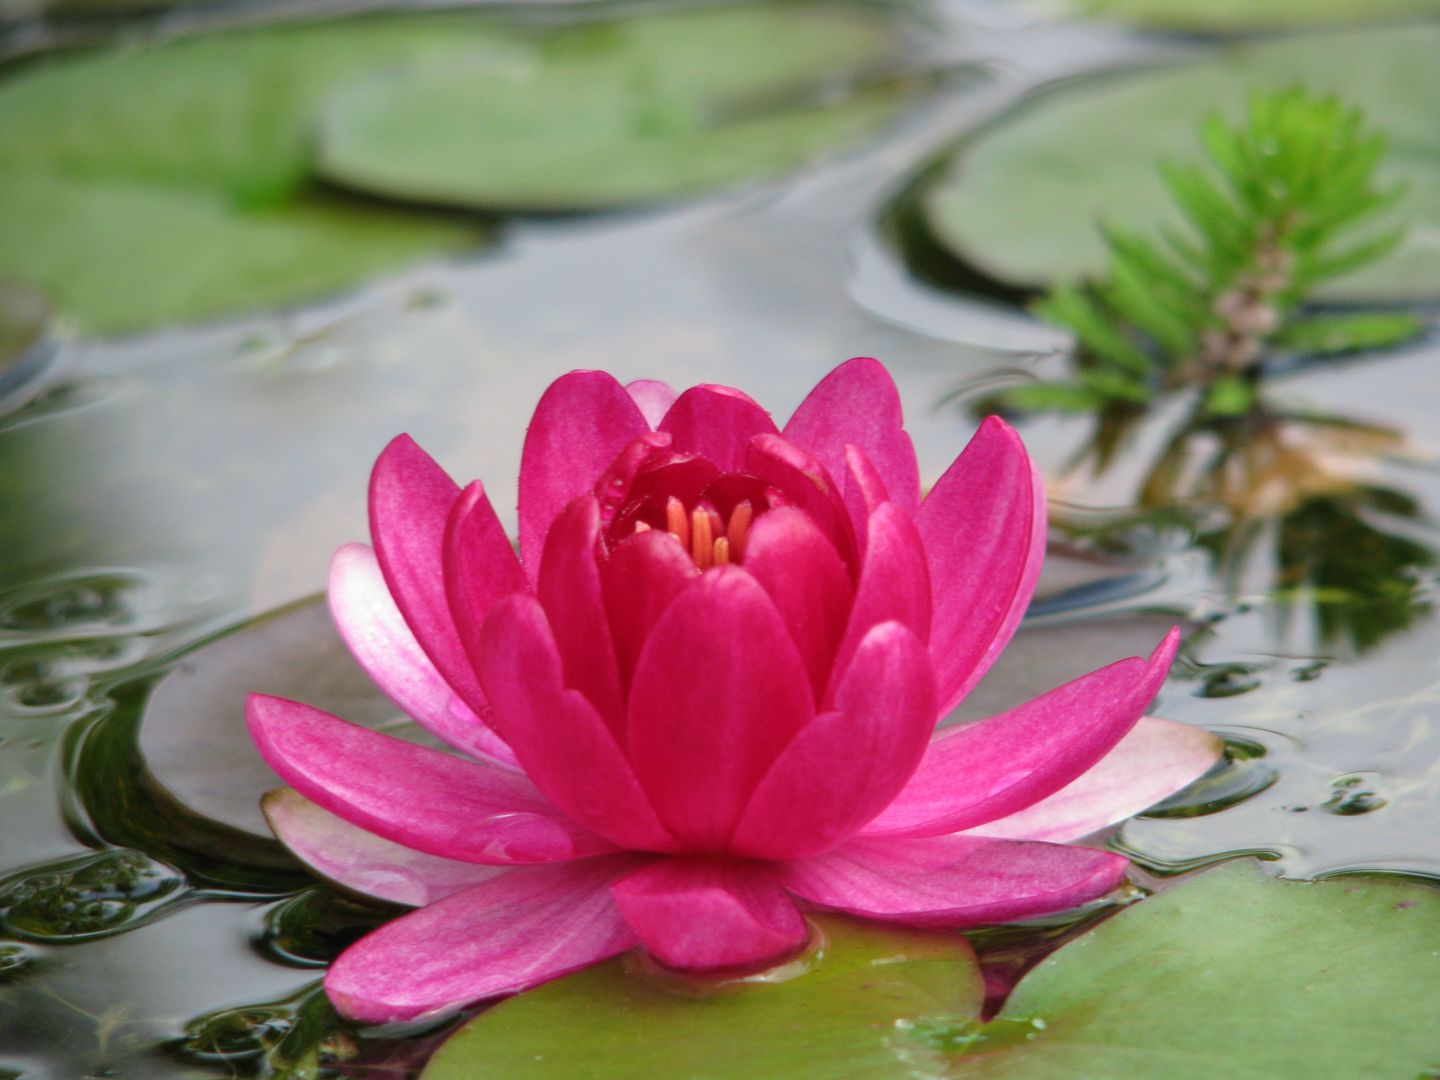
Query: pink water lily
{"points": [[703, 698]]}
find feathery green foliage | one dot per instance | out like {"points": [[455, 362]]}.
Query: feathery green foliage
{"points": [[1272, 214]]}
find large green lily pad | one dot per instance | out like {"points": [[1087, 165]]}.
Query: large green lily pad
{"points": [[618, 113], [1240, 16], [861, 1004], [176, 181], [1019, 201], [1233, 974], [149, 185]]}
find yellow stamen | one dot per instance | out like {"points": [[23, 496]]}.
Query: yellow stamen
{"points": [[676, 523], [739, 528], [702, 538], [722, 551]]}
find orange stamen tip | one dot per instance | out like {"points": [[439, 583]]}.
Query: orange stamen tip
{"points": [[739, 528], [641, 526], [677, 524], [702, 538], [722, 552]]}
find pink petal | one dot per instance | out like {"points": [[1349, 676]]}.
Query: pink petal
{"points": [[719, 690], [362, 862], [1157, 759], [580, 426], [709, 914], [410, 501], [717, 423], [642, 575], [983, 525], [846, 766], [798, 567], [499, 937], [864, 490], [654, 398], [894, 584], [803, 482], [994, 768], [569, 590], [566, 747], [857, 404], [953, 881], [381, 642], [422, 798]]}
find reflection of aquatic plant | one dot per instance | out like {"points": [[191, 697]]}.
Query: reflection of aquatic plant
{"points": [[1297, 514], [1269, 221]]}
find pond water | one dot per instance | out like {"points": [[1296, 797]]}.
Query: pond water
{"points": [[160, 487]]}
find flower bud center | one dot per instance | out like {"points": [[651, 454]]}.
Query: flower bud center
{"points": [[705, 534]]}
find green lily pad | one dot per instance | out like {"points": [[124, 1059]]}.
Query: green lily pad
{"points": [[1241, 16], [193, 743], [142, 186], [618, 113], [858, 1004], [1019, 201], [1233, 974]]}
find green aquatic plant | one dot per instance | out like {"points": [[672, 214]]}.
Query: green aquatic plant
{"points": [[1273, 214]]}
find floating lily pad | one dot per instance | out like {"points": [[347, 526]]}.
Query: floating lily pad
{"points": [[1019, 202], [860, 1005], [192, 737], [170, 182], [1240, 16], [1233, 974], [618, 113]]}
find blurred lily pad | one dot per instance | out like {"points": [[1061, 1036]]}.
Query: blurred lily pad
{"points": [[1241, 16], [1233, 974], [1019, 201], [867, 1001], [169, 182], [192, 738], [615, 113]]}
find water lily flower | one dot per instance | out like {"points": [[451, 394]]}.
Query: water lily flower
{"points": [[702, 699]]}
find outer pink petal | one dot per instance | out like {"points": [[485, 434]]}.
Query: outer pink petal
{"points": [[499, 937], [719, 691], [794, 562], [559, 736], [569, 589], [709, 914], [642, 575], [717, 423], [362, 862], [983, 525], [894, 584], [846, 766], [381, 642], [410, 501], [953, 881], [422, 798], [654, 398], [857, 404], [582, 423], [996, 767], [1157, 759]]}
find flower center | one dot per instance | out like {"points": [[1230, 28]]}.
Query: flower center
{"points": [[710, 539]]}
